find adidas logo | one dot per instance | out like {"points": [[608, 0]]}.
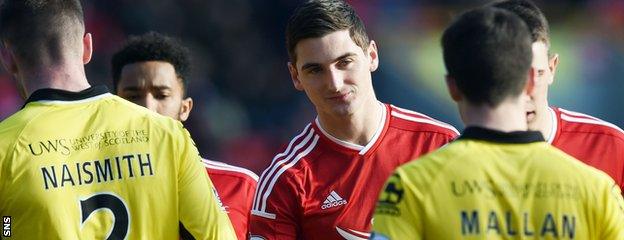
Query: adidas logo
{"points": [[333, 200]]}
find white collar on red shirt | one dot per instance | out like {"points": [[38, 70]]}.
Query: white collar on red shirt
{"points": [[362, 149], [553, 129]]}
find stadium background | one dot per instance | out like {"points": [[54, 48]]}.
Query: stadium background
{"points": [[245, 105]]}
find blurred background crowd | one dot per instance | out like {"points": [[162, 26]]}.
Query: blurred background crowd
{"points": [[246, 108]]}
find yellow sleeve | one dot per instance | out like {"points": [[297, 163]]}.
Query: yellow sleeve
{"points": [[199, 210], [398, 213], [612, 213]]}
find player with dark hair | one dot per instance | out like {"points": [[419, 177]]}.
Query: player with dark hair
{"points": [[497, 180], [325, 183], [151, 70], [77, 162], [593, 141]]}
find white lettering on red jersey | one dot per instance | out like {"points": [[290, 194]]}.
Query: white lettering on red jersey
{"points": [[236, 187], [595, 142], [320, 187]]}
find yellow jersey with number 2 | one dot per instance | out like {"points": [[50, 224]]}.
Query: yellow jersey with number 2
{"points": [[90, 165]]}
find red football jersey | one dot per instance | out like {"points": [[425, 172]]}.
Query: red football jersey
{"points": [[320, 187], [235, 187], [593, 141]]}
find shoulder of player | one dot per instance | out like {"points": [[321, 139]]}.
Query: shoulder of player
{"points": [[283, 179], [580, 123], [417, 122], [161, 123], [13, 126], [219, 169], [16, 122], [297, 153], [128, 107], [563, 161], [288, 168], [425, 169], [10, 133], [569, 169], [593, 178]]}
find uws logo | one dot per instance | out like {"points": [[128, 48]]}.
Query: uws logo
{"points": [[58, 145], [333, 200]]}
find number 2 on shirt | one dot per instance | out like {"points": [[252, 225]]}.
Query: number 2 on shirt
{"points": [[113, 203]]}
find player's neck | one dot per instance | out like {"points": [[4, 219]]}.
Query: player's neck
{"points": [[66, 78], [358, 128], [509, 116], [544, 123]]}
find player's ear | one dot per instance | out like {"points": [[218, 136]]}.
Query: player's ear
{"points": [[451, 85], [529, 86], [294, 76], [373, 56], [87, 48], [185, 109], [553, 62]]}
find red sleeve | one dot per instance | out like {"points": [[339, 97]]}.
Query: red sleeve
{"points": [[618, 159], [439, 140], [449, 137], [239, 201], [275, 211], [249, 197], [602, 151]]}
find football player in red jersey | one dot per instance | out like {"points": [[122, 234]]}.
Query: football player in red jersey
{"points": [[325, 183], [151, 70], [589, 139]]}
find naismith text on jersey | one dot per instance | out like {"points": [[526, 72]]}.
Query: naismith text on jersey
{"points": [[90, 171]]}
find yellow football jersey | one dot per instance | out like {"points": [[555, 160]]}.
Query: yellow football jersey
{"points": [[91, 165], [494, 185]]}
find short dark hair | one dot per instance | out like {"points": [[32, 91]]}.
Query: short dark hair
{"points": [[487, 51], [531, 15], [152, 46], [41, 31], [317, 18]]}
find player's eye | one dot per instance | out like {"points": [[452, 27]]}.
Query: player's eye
{"points": [[314, 70], [344, 62], [131, 96], [161, 95], [540, 73]]}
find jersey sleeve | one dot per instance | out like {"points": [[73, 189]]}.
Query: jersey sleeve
{"points": [[398, 212], [438, 140], [199, 209], [242, 200], [251, 189], [274, 213], [618, 157], [611, 157], [9, 131], [612, 213], [447, 138]]}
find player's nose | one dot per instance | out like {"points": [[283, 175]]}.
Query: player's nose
{"points": [[335, 80], [150, 102]]}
